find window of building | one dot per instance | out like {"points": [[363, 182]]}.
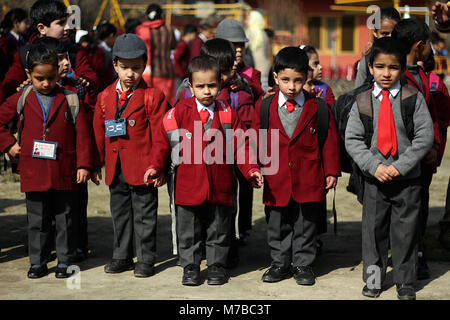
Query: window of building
{"points": [[314, 31], [320, 30]]}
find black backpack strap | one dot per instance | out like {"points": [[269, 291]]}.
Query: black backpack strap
{"points": [[365, 108], [322, 121], [264, 112], [408, 107], [72, 50]]}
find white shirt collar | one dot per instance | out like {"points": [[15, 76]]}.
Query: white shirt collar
{"points": [[103, 44], [394, 90], [15, 35], [300, 99], [210, 108], [202, 36], [119, 87]]}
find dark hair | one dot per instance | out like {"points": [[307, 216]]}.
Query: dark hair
{"points": [[189, 28], [52, 44], [156, 9], [390, 13], [47, 11], [388, 45], [203, 63], [291, 58], [310, 50], [131, 24], [409, 31], [430, 63], [105, 29], [222, 50], [40, 54], [13, 15]]}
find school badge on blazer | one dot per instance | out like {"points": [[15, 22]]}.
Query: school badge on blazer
{"points": [[131, 123]]}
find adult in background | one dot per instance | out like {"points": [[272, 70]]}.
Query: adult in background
{"points": [[160, 40], [181, 56], [259, 44], [207, 30]]}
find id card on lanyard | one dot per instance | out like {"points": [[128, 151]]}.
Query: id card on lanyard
{"points": [[118, 126], [43, 149]]}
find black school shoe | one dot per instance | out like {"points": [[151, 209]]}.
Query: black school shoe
{"points": [[371, 293], [144, 270], [276, 274], [61, 271], [37, 271], [191, 275], [119, 265], [406, 292], [304, 276], [217, 275]]}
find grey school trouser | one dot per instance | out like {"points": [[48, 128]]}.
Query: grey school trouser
{"points": [[390, 211]]}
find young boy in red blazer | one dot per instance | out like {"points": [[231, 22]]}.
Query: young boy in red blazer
{"points": [[127, 115], [293, 194], [204, 178], [55, 154]]}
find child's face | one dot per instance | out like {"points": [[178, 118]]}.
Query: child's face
{"points": [[205, 86], [240, 52], [189, 37], [63, 64], [309, 84], [129, 70], [58, 29], [290, 82], [21, 27], [110, 40], [43, 77], [386, 28], [386, 70], [314, 63]]}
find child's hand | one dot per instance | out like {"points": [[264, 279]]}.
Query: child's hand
{"points": [[270, 92], [159, 182], [96, 177], [23, 85], [331, 182], [318, 93], [256, 179], [382, 173], [150, 174], [14, 151], [392, 171], [82, 175], [237, 85], [83, 82], [367, 48], [440, 12]]}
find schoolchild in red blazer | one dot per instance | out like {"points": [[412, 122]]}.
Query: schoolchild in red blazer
{"points": [[55, 154], [293, 193], [204, 177], [126, 118]]}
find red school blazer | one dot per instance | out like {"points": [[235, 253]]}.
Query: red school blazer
{"points": [[75, 145], [197, 183], [302, 170], [136, 147]]}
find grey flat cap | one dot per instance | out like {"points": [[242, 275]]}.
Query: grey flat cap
{"points": [[231, 30], [129, 46]]}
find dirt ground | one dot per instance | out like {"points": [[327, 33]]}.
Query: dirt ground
{"points": [[338, 268]]}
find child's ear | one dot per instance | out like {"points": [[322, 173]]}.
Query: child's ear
{"points": [[28, 74], [41, 28], [275, 78], [370, 68]]}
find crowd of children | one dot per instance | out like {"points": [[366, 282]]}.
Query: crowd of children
{"points": [[69, 110]]}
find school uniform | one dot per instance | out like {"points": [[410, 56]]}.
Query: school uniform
{"points": [[391, 209], [253, 78], [294, 194], [203, 192], [133, 204], [49, 184]]}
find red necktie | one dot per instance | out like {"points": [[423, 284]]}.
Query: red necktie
{"points": [[386, 136], [290, 105], [204, 115], [124, 95]]}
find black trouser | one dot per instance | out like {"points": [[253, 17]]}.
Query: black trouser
{"points": [[390, 210], [134, 215], [291, 233], [80, 222], [425, 181], [42, 208], [191, 220], [242, 202]]}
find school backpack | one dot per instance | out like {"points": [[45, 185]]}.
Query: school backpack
{"points": [[71, 116]]}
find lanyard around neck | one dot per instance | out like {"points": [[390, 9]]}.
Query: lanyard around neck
{"points": [[45, 113]]}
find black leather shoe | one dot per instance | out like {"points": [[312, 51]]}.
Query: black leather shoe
{"points": [[217, 275], [304, 275], [144, 270], [406, 292], [423, 272], [119, 265], [191, 275], [371, 293], [37, 272], [275, 274], [61, 271]]}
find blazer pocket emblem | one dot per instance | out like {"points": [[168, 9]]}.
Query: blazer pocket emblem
{"points": [[131, 123]]}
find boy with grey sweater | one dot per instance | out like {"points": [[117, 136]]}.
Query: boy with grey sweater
{"points": [[388, 133]]}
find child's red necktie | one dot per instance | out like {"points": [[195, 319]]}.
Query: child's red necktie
{"points": [[204, 116], [386, 136], [124, 95], [290, 105]]}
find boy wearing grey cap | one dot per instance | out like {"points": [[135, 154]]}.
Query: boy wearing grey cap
{"points": [[126, 116]]}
